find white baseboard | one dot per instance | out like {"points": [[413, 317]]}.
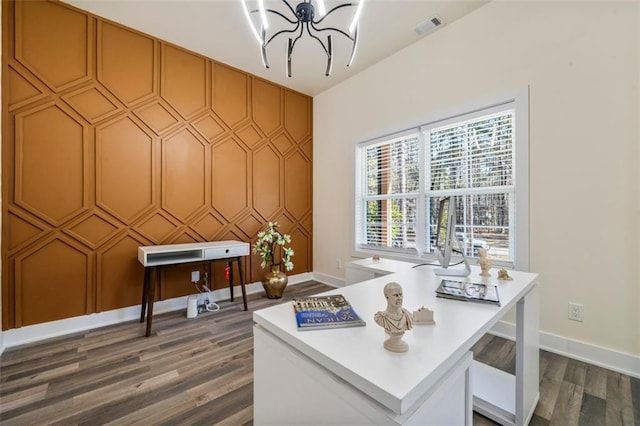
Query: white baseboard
{"points": [[38, 332], [329, 280], [596, 355]]}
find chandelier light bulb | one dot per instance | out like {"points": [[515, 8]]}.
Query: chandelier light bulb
{"points": [[322, 10]]}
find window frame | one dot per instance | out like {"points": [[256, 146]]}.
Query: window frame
{"points": [[518, 101]]}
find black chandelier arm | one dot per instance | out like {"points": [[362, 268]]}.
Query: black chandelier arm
{"points": [[290, 45], [290, 8], [333, 29], [298, 26], [291, 21], [319, 41], [333, 10], [328, 49], [295, 40]]}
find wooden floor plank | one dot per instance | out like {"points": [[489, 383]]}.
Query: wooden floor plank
{"points": [[568, 403], [619, 410], [635, 398], [595, 382], [592, 411], [575, 372]]}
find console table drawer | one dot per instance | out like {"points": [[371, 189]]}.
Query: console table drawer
{"points": [[229, 251]]}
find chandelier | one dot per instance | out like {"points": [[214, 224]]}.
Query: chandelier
{"points": [[306, 18]]}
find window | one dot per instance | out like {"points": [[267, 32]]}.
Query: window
{"points": [[474, 157]]}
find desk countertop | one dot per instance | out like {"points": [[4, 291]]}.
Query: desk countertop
{"points": [[398, 380]]}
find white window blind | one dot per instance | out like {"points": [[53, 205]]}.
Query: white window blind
{"points": [[402, 177], [392, 180]]}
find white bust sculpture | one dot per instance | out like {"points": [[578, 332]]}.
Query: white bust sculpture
{"points": [[484, 262], [395, 319]]}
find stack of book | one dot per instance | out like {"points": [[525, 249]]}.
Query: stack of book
{"points": [[318, 312]]}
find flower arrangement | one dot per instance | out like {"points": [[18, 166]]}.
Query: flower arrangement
{"points": [[269, 240]]}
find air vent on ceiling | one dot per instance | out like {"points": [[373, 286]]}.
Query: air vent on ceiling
{"points": [[427, 26]]}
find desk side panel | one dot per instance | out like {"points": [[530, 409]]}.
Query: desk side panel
{"points": [[289, 388], [527, 355]]}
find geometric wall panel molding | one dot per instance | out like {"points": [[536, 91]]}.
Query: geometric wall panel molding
{"points": [[230, 178], [126, 62], [184, 238], [307, 223], [157, 227], [283, 143], [230, 94], [287, 224], [300, 243], [93, 230], [113, 139], [51, 163], [184, 80], [250, 226], [52, 42], [51, 283], [93, 103], [23, 230], [209, 127], [158, 116], [249, 135], [297, 115], [307, 148], [124, 168], [208, 226], [119, 274], [267, 101], [267, 195], [22, 90], [297, 181], [184, 174]]}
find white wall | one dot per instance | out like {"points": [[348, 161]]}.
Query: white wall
{"points": [[581, 61]]}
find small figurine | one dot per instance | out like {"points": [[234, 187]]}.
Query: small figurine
{"points": [[376, 258], [504, 275], [423, 316], [395, 319], [484, 262]]}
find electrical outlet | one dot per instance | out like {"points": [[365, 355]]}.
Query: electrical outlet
{"points": [[576, 312], [338, 263], [195, 276]]}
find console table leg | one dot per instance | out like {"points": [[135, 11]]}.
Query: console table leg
{"points": [[230, 278], [151, 296], [145, 284], [244, 290]]}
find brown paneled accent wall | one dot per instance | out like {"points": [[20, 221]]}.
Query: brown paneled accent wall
{"points": [[113, 139]]}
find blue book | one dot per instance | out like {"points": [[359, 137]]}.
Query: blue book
{"points": [[319, 312]]}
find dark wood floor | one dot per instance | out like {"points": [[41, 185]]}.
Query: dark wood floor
{"points": [[200, 371]]}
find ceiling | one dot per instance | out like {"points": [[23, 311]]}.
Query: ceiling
{"points": [[219, 30]]}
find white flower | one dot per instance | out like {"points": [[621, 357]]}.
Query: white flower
{"points": [[267, 245]]}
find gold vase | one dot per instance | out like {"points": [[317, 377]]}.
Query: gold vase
{"points": [[274, 282]]}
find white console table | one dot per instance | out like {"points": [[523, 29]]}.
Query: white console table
{"points": [[155, 258], [345, 376]]}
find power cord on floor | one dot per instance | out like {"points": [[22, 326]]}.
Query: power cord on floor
{"points": [[210, 306]]}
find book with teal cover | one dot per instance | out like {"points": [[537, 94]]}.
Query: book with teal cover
{"points": [[318, 312]]}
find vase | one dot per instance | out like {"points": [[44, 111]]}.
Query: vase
{"points": [[274, 282]]}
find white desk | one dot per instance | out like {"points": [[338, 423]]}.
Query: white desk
{"points": [[346, 376]]}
